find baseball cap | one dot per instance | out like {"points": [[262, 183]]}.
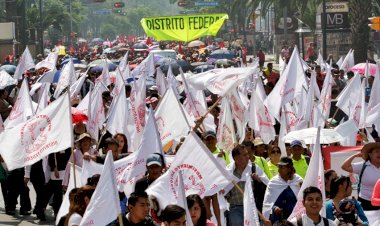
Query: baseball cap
{"points": [[209, 133], [285, 161], [154, 159], [296, 143]]}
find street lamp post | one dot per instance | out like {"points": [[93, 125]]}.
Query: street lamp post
{"points": [[324, 35]]}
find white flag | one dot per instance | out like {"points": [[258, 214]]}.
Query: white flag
{"points": [[171, 120], [26, 62], [339, 62], [49, 62], [138, 95], [64, 209], [96, 115], [325, 99], [292, 119], [374, 100], [6, 79], [288, 87], [77, 86], [220, 81], [119, 83], [104, 206], [239, 111], [314, 177], [348, 61], [202, 174], [226, 133], [347, 98], [282, 134], [145, 68], [150, 143], [359, 108], [22, 109], [260, 120], [251, 217], [47, 132], [124, 62], [67, 78], [117, 121], [105, 77], [181, 198], [44, 99], [162, 83], [84, 105], [320, 61]]}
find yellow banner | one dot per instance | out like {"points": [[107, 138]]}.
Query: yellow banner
{"points": [[183, 28]]}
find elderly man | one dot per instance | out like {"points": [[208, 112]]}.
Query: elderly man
{"points": [[281, 194]]}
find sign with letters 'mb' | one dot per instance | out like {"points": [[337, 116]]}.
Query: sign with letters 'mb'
{"points": [[183, 28], [337, 21]]}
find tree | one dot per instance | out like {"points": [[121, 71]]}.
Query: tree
{"points": [[360, 11]]}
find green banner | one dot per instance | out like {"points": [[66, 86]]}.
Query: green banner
{"points": [[183, 28]]}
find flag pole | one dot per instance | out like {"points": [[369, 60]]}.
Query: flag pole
{"points": [[242, 192], [200, 120], [72, 139]]}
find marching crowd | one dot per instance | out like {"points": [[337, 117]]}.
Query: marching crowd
{"points": [[277, 176]]}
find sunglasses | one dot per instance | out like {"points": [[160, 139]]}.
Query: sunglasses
{"points": [[275, 152]]}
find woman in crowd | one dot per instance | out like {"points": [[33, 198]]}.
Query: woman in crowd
{"points": [[368, 171], [197, 211], [81, 200], [330, 175], [341, 188], [123, 143], [274, 158], [84, 145]]}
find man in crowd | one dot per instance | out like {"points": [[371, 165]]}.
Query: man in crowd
{"points": [[312, 201], [174, 215], [240, 168], [300, 162], [138, 210], [281, 194], [154, 166]]}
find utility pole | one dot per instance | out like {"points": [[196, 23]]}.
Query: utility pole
{"points": [[324, 34]]}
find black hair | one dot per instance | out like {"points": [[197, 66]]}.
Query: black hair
{"points": [[310, 190], [236, 150], [93, 181], [350, 73], [334, 187], [172, 213], [328, 174], [134, 197], [106, 94], [191, 200]]}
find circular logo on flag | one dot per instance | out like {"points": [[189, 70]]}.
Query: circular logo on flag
{"points": [[192, 179], [34, 133]]}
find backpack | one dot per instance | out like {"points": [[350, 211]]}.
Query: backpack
{"points": [[299, 221], [258, 190]]}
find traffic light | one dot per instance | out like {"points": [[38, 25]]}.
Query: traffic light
{"points": [[117, 11], [118, 5], [375, 23]]}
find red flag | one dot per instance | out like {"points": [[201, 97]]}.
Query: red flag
{"points": [[221, 44]]}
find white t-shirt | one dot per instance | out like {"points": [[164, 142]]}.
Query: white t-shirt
{"points": [[75, 219], [370, 176], [306, 221]]}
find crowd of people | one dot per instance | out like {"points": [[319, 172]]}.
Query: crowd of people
{"points": [[276, 178]]}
